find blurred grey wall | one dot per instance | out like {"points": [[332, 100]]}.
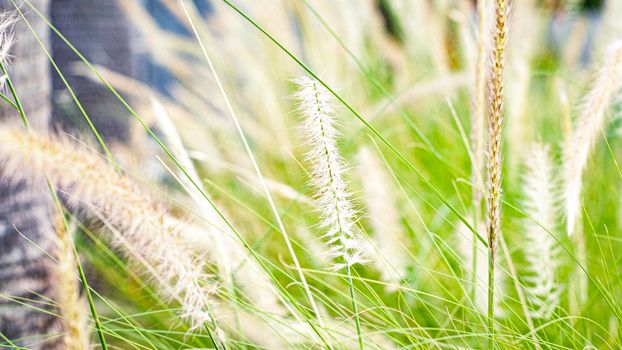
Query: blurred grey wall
{"points": [[100, 30]]}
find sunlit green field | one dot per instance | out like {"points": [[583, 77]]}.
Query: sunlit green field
{"points": [[224, 149]]}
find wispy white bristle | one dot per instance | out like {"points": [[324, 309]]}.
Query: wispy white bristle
{"points": [[332, 198], [541, 250], [7, 20]]}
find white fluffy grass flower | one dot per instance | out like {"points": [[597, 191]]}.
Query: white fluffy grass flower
{"points": [[588, 129], [541, 249], [332, 198]]}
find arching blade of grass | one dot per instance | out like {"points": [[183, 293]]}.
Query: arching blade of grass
{"points": [[8, 100], [11, 345], [17, 104]]}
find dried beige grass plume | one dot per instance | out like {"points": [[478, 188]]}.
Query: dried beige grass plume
{"points": [[587, 130], [91, 186], [494, 159], [71, 306]]}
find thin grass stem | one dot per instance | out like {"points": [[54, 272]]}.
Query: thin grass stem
{"points": [[355, 309]]}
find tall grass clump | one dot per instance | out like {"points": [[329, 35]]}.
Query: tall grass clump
{"points": [[444, 235]]}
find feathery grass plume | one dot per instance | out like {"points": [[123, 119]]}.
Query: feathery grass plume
{"points": [[318, 124], [327, 175], [541, 250], [72, 308], [493, 161], [92, 187], [388, 236], [588, 129]]}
